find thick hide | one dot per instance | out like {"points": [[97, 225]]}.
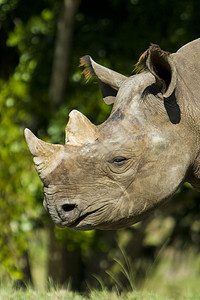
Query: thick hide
{"points": [[113, 175]]}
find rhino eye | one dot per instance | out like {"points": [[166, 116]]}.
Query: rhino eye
{"points": [[119, 161]]}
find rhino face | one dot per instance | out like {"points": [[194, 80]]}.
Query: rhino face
{"points": [[112, 175]]}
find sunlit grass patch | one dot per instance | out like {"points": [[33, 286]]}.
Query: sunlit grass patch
{"points": [[9, 293], [175, 277]]}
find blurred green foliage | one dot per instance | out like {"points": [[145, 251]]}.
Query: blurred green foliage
{"points": [[18, 186], [74, 239], [24, 101], [114, 33]]}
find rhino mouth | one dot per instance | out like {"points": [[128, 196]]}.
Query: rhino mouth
{"points": [[79, 220], [70, 215]]}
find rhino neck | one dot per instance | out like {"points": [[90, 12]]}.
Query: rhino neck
{"points": [[187, 60]]}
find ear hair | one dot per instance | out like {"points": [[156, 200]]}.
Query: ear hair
{"points": [[110, 81], [141, 65], [88, 70], [162, 66]]}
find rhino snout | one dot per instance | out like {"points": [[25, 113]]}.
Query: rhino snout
{"points": [[67, 212]]}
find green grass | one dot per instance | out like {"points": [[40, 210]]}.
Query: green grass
{"points": [[10, 293], [55, 293], [175, 277]]}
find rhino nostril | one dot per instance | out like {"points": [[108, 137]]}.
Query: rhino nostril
{"points": [[68, 207]]}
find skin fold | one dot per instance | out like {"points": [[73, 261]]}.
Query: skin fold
{"points": [[112, 175]]}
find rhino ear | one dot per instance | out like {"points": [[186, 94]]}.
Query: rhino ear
{"points": [[45, 156], [162, 66], [110, 81]]}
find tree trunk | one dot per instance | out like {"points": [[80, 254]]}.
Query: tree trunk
{"points": [[64, 267], [62, 52], [27, 277]]}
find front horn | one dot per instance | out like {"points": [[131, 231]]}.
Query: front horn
{"points": [[79, 131], [45, 156]]}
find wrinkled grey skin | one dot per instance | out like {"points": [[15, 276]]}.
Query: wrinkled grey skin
{"points": [[113, 175]]}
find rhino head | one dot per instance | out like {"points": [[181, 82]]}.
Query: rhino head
{"points": [[113, 175]]}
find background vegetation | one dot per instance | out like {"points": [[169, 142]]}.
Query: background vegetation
{"points": [[40, 83]]}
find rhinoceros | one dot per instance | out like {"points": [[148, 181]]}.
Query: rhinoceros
{"points": [[113, 175]]}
